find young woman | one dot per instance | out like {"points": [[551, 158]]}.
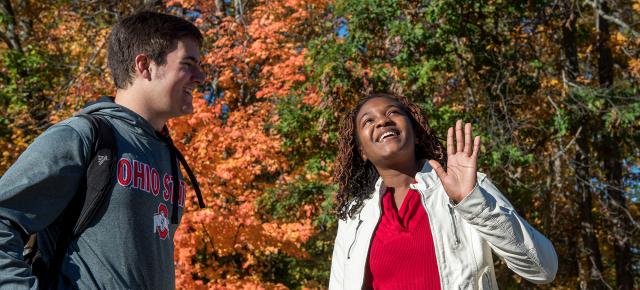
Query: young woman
{"points": [[412, 216]]}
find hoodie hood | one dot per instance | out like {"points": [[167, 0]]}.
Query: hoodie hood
{"points": [[106, 107]]}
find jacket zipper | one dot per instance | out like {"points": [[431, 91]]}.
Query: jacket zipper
{"points": [[455, 227], [355, 237]]}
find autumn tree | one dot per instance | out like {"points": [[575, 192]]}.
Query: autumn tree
{"points": [[552, 87], [52, 62], [256, 55], [550, 107]]}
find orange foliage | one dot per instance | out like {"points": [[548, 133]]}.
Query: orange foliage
{"points": [[77, 71], [234, 150]]}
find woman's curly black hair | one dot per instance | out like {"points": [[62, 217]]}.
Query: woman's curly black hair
{"points": [[356, 178]]}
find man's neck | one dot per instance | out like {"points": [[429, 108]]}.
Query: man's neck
{"points": [[134, 99]]}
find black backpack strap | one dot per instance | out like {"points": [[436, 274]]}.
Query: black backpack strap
{"points": [[90, 197], [100, 173], [175, 153], [192, 177], [176, 156]]}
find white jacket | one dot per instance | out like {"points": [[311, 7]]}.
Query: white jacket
{"points": [[463, 236]]}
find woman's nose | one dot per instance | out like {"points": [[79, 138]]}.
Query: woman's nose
{"points": [[383, 121]]}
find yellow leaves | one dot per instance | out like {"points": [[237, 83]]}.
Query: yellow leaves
{"points": [[458, 107], [634, 67], [583, 80], [551, 83], [619, 38], [636, 6], [619, 41], [22, 132]]}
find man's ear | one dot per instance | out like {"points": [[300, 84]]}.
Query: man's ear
{"points": [[142, 66]]}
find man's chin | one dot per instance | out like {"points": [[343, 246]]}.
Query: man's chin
{"points": [[186, 109]]}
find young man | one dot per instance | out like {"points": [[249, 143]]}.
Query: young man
{"points": [[155, 63]]}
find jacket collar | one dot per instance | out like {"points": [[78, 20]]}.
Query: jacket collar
{"points": [[427, 181]]}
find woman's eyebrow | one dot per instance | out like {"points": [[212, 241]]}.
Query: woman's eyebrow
{"points": [[363, 115], [385, 108], [392, 105]]}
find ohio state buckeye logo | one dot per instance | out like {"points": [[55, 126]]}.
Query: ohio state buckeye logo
{"points": [[161, 221]]}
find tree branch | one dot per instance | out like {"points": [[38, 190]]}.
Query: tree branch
{"points": [[612, 19], [9, 35]]}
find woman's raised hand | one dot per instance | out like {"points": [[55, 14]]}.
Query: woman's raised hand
{"points": [[462, 163]]}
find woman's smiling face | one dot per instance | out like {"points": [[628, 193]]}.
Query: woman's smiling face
{"points": [[384, 131]]}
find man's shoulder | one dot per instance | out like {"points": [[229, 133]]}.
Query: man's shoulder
{"points": [[75, 122], [70, 129], [81, 125]]}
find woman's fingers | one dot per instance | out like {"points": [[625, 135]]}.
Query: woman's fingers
{"points": [[450, 149], [464, 140], [459, 137], [476, 147], [467, 139]]}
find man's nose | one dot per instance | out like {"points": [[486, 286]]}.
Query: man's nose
{"points": [[198, 77]]}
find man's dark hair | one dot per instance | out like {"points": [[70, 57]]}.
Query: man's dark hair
{"points": [[151, 33]]}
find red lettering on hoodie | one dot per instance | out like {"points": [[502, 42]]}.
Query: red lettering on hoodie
{"points": [[147, 178], [124, 172], [155, 182], [168, 185], [139, 180]]}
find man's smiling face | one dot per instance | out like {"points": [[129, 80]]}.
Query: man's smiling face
{"points": [[177, 78]]}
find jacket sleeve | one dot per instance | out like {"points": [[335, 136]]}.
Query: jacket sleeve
{"points": [[33, 192], [338, 259], [525, 250]]}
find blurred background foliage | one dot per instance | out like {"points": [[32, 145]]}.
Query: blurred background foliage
{"points": [[551, 86]]}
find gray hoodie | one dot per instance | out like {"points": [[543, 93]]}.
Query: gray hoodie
{"points": [[129, 245]]}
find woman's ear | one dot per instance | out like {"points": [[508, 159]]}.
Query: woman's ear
{"points": [[364, 156]]}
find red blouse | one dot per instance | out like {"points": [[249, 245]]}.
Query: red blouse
{"points": [[402, 255]]}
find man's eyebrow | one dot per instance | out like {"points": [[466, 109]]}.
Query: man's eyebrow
{"points": [[191, 58]]}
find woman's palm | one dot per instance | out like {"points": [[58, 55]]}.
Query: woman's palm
{"points": [[462, 162]]}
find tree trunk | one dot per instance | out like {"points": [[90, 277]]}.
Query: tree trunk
{"points": [[613, 161], [581, 159], [605, 57], [591, 247], [621, 232], [10, 36]]}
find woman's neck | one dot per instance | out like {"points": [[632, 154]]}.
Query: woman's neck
{"points": [[399, 177]]}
